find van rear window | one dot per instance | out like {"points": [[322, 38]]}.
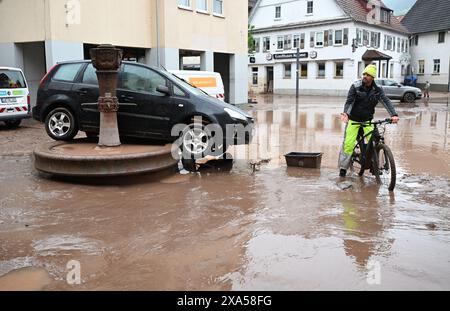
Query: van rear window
{"points": [[11, 79]]}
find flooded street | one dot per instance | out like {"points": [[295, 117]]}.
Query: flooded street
{"points": [[240, 227]]}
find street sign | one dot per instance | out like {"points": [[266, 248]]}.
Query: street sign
{"points": [[290, 55]]}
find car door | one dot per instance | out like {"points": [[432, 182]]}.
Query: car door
{"points": [[146, 112], [87, 93], [391, 89]]}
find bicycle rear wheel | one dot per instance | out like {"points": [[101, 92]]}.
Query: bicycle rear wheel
{"points": [[384, 167]]}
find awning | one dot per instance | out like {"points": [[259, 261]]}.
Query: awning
{"points": [[371, 55]]}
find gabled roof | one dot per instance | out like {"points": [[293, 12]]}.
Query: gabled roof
{"points": [[359, 10], [428, 16], [370, 55]]}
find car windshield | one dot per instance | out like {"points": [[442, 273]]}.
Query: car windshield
{"points": [[11, 79], [189, 86]]}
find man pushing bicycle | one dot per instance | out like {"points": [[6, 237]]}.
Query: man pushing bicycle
{"points": [[362, 99]]}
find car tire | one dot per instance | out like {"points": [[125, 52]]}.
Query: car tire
{"points": [[409, 97], [60, 124], [13, 124], [196, 141]]}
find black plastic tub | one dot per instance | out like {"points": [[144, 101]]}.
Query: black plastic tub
{"points": [[304, 159]]}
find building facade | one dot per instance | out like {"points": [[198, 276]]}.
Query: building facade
{"points": [[155, 32], [336, 38], [429, 23]]}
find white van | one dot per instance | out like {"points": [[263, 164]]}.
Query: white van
{"points": [[14, 97], [209, 82]]}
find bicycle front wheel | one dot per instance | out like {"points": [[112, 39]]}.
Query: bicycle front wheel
{"points": [[384, 167]]}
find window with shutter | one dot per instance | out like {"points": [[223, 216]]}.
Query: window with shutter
{"points": [[345, 36]]}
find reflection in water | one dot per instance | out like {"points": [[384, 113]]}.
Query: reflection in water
{"points": [[365, 223], [310, 127], [320, 121], [433, 119]]}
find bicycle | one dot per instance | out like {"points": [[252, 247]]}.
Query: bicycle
{"points": [[375, 156]]}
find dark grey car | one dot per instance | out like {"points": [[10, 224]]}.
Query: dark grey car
{"points": [[153, 103]]}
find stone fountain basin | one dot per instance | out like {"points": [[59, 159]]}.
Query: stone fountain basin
{"points": [[81, 158]]}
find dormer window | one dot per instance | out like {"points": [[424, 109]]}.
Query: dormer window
{"points": [[385, 16]]}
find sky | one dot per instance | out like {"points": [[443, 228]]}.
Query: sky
{"points": [[400, 7]]}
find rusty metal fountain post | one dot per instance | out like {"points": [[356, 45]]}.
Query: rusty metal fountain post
{"points": [[107, 60]]}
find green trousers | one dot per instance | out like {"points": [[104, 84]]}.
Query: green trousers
{"points": [[351, 133]]}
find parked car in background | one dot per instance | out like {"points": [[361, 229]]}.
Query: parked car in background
{"points": [[395, 90], [14, 97], [152, 102], [210, 82]]}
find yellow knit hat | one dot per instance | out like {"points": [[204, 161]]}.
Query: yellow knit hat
{"points": [[371, 70]]}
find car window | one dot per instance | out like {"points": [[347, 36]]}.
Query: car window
{"points": [[190, 87], [89, 76], [67, 72], [178, 92], [141, 79], [11, 79], [391, 83], [379, 82]]}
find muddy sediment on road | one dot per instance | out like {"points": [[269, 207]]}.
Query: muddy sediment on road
{"points": [[238, 228]]}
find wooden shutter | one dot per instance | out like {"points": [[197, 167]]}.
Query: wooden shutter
{"points": [[311, 40], [345, 36]]}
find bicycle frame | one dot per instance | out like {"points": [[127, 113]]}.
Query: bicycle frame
{"points": [[367, 150]]}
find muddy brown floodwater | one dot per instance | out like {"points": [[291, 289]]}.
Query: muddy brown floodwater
{"points": [[264, 227]]}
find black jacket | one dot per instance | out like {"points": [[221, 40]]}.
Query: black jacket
{"points": [[361, 102]]}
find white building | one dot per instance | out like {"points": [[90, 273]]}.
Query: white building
{"points": [[337, 39], [429, 22]]}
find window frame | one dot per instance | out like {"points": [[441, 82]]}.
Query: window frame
{"points": [[324, 70], [257, 44], [185, 7], [278, 43], [205, 11], [287, 42], [309, 9], [296, 38], [421, 67], [336, 76], [441, 39], [359, 36], [222, 7], [437, 62], [264, 50], [335, 37], [316, 41], [255, 73], [301, 76], [285, 76], [278, 12]]}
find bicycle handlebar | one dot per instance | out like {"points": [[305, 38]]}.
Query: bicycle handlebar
{"points": [[378, 122]]}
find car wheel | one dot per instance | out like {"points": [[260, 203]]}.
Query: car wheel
{"points": [[12, 124], [60, 124], [196, 141], [409, 97]]}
